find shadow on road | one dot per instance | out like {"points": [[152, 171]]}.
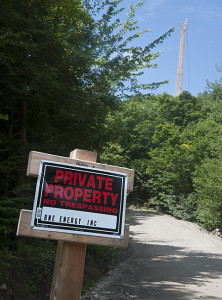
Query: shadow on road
{"points": [[168, 272], [164, 262], [162, 270], [135, 217]]}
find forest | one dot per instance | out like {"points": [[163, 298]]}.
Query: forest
{"points": [[69, 79]]}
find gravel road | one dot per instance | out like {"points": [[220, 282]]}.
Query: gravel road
{"points": [[167, 259]]}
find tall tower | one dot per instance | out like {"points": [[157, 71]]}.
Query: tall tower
{"points": [[180, 67]]}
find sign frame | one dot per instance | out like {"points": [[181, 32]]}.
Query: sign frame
{"points": [[80, 228]]}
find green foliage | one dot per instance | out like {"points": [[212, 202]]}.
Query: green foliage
{"points": [[182, 207], [28, 270], [102, 253], [180, 143], [87, 286], [42, 260], [171, 165], [168, 141], [118, 64], [6, 258], [9, 211], [113, 154], [208, 181]]}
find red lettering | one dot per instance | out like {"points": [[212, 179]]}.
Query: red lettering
{"points": [[87, 196], [49, 202], [75, 178], [46, 201], [96, 197], [68, 177], [62, 203], [91, 182], [68, 193], [109, 184], [101, 179], [78, 193], [105, 194], [59, 175], [73, 204], [90, 207], [58, 191], [114, 198], [49, 188], [82, 179], [68, 204]]}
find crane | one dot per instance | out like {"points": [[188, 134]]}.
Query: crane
{"points": [[180, 67]]}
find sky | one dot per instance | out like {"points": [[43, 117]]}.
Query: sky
{"points": [[203, 42]]}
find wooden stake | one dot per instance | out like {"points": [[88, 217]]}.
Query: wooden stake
{"points": [[68, 272], [36, 157], [70, 257]]}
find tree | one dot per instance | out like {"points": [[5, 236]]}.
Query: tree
{"points": [[208, 181], [131, 128], [152, 134], [207, 178], [117, 62]]}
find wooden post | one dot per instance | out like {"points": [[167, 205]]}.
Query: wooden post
{"points": [[70, 257], [71, 250]]}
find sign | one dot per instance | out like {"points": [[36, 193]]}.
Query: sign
{"points": [[79, 200]]}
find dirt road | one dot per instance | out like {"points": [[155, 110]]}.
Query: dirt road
{"points": [[167, 259]]}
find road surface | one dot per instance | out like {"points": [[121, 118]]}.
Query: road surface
{"points": [[168, 259]]}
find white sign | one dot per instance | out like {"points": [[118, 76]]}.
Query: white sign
{"points": [[79, 200]]}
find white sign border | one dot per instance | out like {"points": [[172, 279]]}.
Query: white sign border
{"points": [[82, 231]]}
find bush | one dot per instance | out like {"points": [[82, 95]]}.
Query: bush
{"points": [[208, 182]]}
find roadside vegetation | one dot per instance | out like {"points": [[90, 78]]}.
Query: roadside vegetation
{"points": [[174, 145]]}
